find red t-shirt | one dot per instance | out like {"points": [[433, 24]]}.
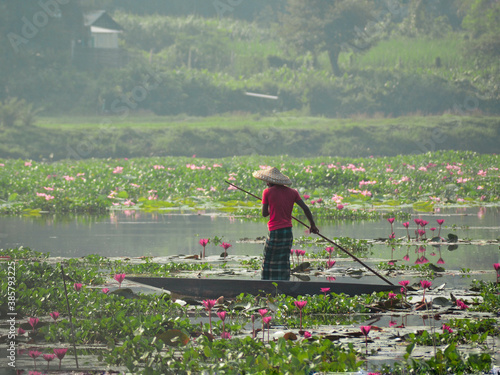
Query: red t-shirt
{"points": [[280, 200]]}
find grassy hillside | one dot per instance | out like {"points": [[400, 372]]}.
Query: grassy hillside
{"points": [[114, 137]]}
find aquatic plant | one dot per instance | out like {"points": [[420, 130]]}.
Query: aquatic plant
{"points": [[365, 330], [33, 322], [426, 284], [203, 243], [49, 358], [200, 183], [225, 246], [300, 305], [209, 304], [60, 353], [265, 321], [222, 317], [54, 315], [440, 223], [34, 354], [119, 277]]}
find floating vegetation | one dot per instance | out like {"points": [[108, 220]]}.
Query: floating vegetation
{"points": [[335, 188], [156, 333]]}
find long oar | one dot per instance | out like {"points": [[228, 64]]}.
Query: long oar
{"points": [[325, 238]]}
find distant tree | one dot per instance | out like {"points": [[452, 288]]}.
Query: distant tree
{"points": [[434, 18], [35, 37], [326, 25], [239, 9], [482, 20]]}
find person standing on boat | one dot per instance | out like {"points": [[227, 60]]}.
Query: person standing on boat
{"points": [[277, 202]]}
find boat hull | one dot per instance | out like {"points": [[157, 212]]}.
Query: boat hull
{"points": [[230, 288]]}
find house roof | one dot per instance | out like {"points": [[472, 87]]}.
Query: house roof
{"points": [[100, 18]]}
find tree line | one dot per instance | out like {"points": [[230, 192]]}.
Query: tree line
{"points": [[207, 55]]}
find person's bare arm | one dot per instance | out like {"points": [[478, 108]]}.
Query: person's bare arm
{"points": [[265, 210], [309, 216]]}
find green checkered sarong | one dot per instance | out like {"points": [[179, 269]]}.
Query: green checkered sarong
{"points": [[277, 255]]}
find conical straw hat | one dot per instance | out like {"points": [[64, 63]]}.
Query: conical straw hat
{"points": [[272, 175]]}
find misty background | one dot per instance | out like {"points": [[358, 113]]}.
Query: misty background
{"points": [[345, 59]]}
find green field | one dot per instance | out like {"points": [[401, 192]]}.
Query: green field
{"points": [[225, 136]]}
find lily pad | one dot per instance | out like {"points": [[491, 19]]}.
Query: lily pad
{"points": [[173, 337], [442, 301], [125, 293]]}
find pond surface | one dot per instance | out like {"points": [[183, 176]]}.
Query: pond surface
{"points": [[135, 233]]}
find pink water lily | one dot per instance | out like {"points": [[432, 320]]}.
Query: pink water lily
{"points": [[447, 329], [407, 225], [325, 290], [209, 304], [226, 246], [225, 335], [60, 353], [54, 315], [461, 305], [307, 334], [425, 285], [222, 316], [330, 263], [119, 277], [105, 290], [49, 358], [391, 220], [33, 322], [300, 305], [204, 242], [404, 284], [77, 286], [366, 330], [34, 354], [440, 222]]}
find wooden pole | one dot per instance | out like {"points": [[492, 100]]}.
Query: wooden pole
{"points": [[325, 238]]}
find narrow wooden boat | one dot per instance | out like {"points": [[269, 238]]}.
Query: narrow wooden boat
{"points": [[230, 288]]}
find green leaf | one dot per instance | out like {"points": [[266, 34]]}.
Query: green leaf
{"points": [[173, 337], [123, 194], [423, 206], [13, 197]]}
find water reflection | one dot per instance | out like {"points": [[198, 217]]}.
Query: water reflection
{"points": [[136, 233]]}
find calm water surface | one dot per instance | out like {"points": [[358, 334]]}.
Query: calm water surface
{"points": [[137, 233]]}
